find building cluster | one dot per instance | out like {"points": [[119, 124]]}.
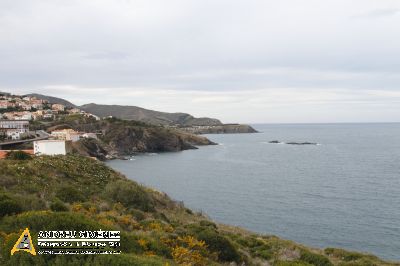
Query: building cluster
{"points": [[71, 135], [14, 107], [60, 142], [22, 103], [16, 113]]}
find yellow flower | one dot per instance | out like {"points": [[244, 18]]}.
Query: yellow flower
{"points": [[143, 243], [150, 253]]}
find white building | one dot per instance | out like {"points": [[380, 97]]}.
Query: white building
{"points": [[74, 111], [18, 124], [14, 129], [15, 134], [66, 134], [23, 116], [58, 107], [93, 116], [50, 147], [89, 135]]}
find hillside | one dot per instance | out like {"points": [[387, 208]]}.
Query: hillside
{"points": [[134, 113], [52, 100], [147, 116], [77, 193]]}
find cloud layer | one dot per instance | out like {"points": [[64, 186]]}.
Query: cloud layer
{"points": [[253, 61]]}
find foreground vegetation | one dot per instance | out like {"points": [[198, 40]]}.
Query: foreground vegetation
{"points": [[78, 193]]}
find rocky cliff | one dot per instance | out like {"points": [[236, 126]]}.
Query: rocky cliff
{"points": [[117, 138], [220, 129]]}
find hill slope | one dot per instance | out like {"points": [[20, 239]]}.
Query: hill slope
{"points": [[148, 116], [135, 113], [52, 100], [77, 193]]}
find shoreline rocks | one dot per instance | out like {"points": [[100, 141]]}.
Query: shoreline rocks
{"points": [[292, 142]]}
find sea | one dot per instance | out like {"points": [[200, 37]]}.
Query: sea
{"points": [[343, 192]]}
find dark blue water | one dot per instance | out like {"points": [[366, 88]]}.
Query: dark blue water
{"points": [[343, 193]]}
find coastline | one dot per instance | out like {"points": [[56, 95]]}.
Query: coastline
{"points": [[199, 170], [153, 226], [242, 230]]}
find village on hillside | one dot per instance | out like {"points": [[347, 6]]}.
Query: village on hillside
{"points": [[18, 113]]}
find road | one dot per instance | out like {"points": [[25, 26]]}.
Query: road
{"points": [[42, 135]]}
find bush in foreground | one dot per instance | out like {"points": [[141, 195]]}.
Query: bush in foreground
{"points": [[130, 194], [18, 155], [9, 206], [314, 259], [215, 242]]}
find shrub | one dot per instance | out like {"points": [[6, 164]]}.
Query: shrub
{"points": [[161, 216], [46, 220], [137, 214], [345, 255], [18, 155], [129, 260], [263, 252], [131, 243], [30, 202], [130, 194], [9, 206], [361, 262], [208, 223], [215, 242], [291, 263], [58, 206], [70, 194], [314, 259]]}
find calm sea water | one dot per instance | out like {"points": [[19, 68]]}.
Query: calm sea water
{"points": [[344, 192]]}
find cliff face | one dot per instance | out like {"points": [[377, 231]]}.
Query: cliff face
{"points": [[127, 139], [120, 138], [91, 148]]}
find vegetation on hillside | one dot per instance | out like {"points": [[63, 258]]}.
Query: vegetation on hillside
{"points": [[148, 116], [78, 193]]}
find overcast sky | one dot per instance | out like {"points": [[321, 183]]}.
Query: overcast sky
{"points": [[237, 60]]}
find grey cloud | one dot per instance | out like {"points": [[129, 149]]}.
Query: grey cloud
{"points": [[379, 13], [111, 55], [203, 46]]}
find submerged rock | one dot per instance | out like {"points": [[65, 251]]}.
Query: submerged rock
{"points": [[302, 143], [293, 142], [274, 142]]}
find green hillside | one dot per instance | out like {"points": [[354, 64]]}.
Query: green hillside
{"points": [[78, 193]]}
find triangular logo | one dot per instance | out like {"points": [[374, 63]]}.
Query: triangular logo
{"points": [[24, 243]]}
